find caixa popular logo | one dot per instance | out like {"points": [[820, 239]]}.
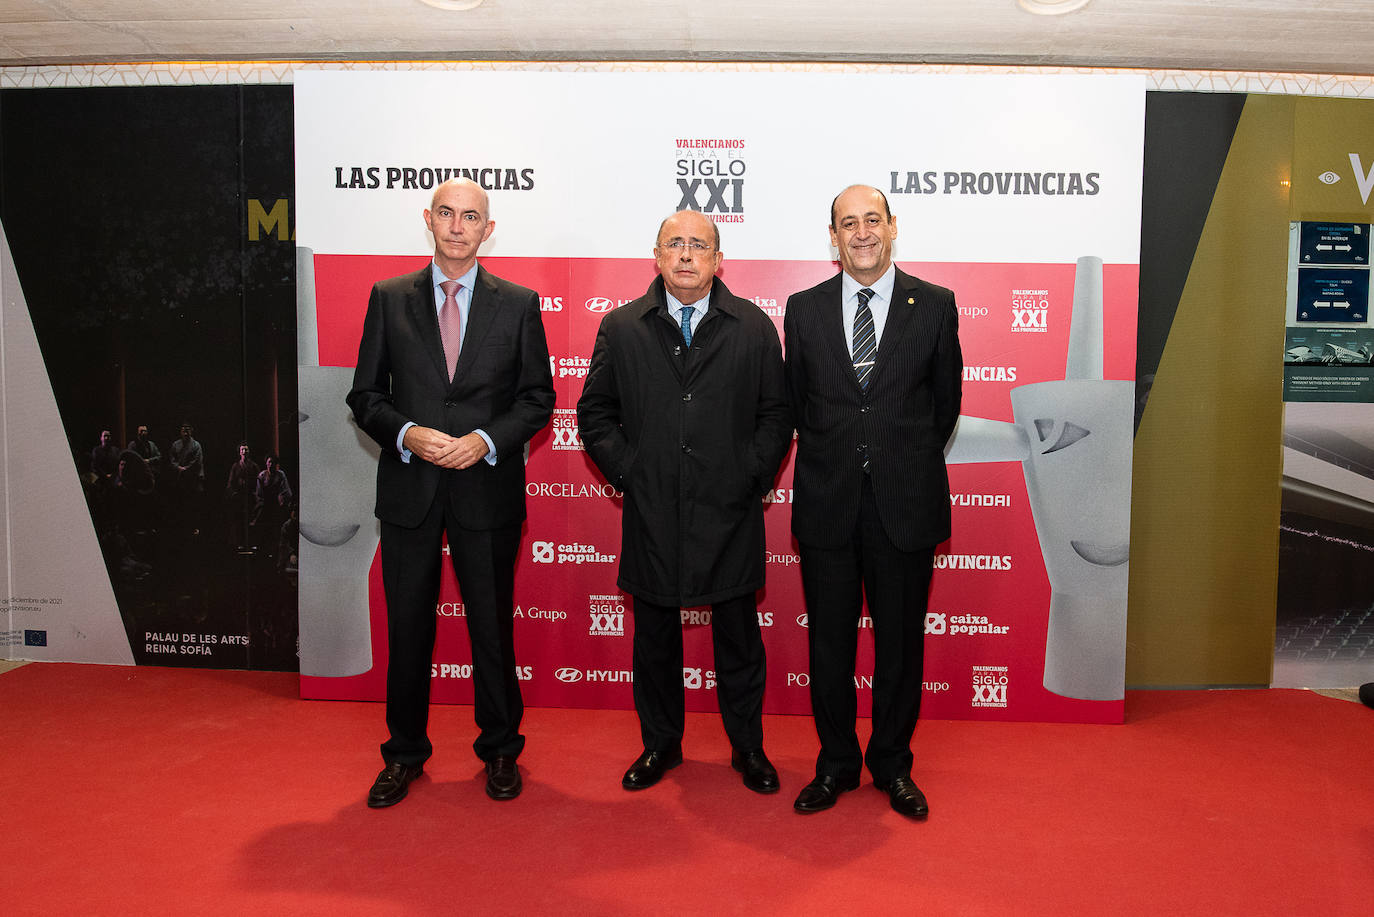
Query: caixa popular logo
{"points": [[570, 368], [567, 674], [546, 552], [697, 679], [989, 686]]}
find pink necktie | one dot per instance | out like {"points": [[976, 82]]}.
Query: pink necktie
{"points": [[450, 324]]}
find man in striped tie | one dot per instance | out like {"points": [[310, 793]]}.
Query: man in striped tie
{"points": [[873, 376]]}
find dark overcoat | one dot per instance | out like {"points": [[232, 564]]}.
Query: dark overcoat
{"points": [[694, 437]]}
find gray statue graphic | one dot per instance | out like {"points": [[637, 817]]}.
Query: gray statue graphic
{"points": [[1073, 439], [339, 532]]}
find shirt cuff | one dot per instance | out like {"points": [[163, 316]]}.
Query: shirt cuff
{"points": [[400, 441], [491, 446]]}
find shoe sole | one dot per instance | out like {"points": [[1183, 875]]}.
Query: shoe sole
{"points": [[389, 802]]}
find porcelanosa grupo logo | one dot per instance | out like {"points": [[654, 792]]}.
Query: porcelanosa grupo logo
{"points": [[710, 175]]}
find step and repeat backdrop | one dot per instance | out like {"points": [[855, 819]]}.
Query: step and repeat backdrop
{"points": [[1022, 193]]}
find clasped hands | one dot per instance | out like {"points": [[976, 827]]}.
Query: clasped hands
{"points": [[438, 448]]}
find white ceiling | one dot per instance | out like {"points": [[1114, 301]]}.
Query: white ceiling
{"points": [[1305, 36]]}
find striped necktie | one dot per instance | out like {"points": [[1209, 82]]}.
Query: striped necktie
{"points": [[865, 341]]}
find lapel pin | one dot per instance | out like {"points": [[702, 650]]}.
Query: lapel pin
{"points": [[911, 300]]}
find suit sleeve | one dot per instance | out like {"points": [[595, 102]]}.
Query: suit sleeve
{"points": [[949, 374], [794, 366], [532, 406], [773, 420], [370, 399], [599, 412]]}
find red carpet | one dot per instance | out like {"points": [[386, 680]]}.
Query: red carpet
{"points": [[175, 791]]}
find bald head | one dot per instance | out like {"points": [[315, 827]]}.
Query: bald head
{"points": [[464, 183], [715, 230], [458, 218], [887, 211], [687, 254], [862, 229]]}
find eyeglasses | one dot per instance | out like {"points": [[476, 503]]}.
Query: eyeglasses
{"points": [[677, 245]]}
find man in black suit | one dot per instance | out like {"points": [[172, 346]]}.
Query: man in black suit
{"points": [[873, 374], [452, 382], [685, 410]]}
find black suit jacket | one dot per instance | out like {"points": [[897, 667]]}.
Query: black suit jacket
{"points": [[901, 423], [502, 384]]}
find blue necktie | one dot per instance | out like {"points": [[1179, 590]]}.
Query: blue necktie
{"points": [[687, 324], [865, 341]]}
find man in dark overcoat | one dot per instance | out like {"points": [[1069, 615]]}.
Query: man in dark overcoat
{"points": [[685, 411]]}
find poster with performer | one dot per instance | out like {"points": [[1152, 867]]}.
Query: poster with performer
{"points": [[1019, 192]]}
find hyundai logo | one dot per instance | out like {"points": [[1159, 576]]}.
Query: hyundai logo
{"points": [[803, 620], [600, 304], [568, 674]]}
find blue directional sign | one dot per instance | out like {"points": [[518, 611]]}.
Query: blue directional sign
{"points": [[1334, 243], [1332, 295]]}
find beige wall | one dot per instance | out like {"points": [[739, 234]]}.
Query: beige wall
{"points": [[1208, 463]]}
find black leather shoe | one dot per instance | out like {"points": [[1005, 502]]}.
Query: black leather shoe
{"points": [[905, 796], [759, 773], [821, 793], [503, 778], [649, 768], [392, 783]]}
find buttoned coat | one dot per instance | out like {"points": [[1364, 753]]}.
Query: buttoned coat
{"points": [[900, 425], [502, 384], [694, 437]]}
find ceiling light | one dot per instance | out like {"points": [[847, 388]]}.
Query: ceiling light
{"points": [[1048, 7], [455, 4]]}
